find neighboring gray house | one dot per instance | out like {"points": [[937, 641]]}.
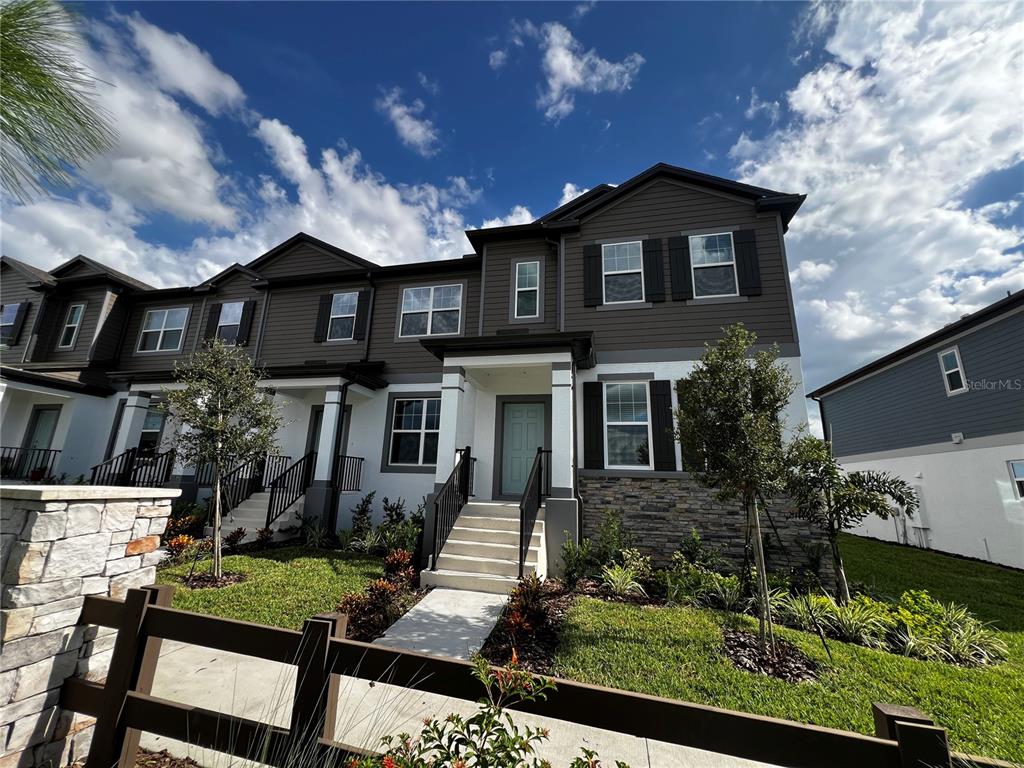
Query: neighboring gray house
{"points": [[564, 334], [946, 413]]}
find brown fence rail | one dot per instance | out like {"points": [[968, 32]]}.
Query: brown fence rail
{"points": [[123, 705]]}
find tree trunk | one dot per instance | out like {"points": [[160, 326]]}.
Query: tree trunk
{"points": [[217, 567], [842, 588], [765, 612]]}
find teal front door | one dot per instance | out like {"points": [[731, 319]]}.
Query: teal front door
{"points": [[522, 433]]}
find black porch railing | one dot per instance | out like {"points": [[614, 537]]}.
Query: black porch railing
{"points": [[242, 482], [290, 486], [134, 469], [450, 500], [347, 473], [538, 485], [27, 463]]}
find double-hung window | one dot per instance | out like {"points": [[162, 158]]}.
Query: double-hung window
{"points": [[952, 371], [163, 330], [622, 267], [229, 321], [527, 289], [343, 316], [73, 321], [1017, 476], [152, 429], [414, 431], [8, 316], [431, 310], [713, 261], [627, 425]]}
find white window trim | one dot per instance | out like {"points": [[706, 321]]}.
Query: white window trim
{"points": [[694, 267], [422, 431], [650, 436], [604, 274], [68, 324], [430, 310], [1014, 479], [336, 317], [959, 367], [163, 329], [228, 325], [515, 308]]}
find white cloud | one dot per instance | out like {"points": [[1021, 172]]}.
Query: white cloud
{"points": [[582, 9], [182, 67], [758, 105], [570, 192], [811, 271], [910, 107], [497, 59], [416, 132], [568, 68], [433, 87], [519, 214]]}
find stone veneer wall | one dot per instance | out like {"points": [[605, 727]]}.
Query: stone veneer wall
{"points": [[60, 543], [660, 511]]}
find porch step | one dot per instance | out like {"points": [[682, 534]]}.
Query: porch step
{"points": [[475, 582], [494, 523], [509, 551], [496, 509], [492, 535], [484, 565]]}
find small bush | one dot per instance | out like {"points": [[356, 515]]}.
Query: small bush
{"points": [[373, 611], [362, 516], [694, 551], [177, 546], [394, 511], [398, 568], [639, 564], [402, 535], [578, 561], [808, 612], [611, 539], [263, 537], [621, 581], [233, 539], [863, 621], [528, 595]]}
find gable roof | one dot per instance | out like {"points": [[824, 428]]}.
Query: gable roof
{"points": [[103, 269], [302, 237], [227, 272], [33, 274], [1001, 307]]}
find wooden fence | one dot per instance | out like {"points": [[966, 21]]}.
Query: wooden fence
{"points": [[124, 706]]}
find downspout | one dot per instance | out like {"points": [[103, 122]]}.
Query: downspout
{"points": [[263, 326], [576, 461], [369, 318], [483, 289], [30, 347], [199, 324], [561, 287]]}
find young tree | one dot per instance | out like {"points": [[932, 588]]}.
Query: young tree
{"points": [[48, 115], [730, 425], [834, 500], [224, 419]]}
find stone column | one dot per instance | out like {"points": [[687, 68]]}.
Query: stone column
{"points": [[561, 508], [59, 544], [129, 431], [320, 495]]}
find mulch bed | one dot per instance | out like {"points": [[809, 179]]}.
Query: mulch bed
{"points": [[788, 662], [162, 759], [207, 581], [535, 650]]}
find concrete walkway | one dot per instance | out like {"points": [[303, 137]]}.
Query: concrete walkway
{"points": [[447, 622], [367, 710]]}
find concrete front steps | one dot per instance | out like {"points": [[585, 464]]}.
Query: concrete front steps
{"points": [[482, 551], [251, 514]]}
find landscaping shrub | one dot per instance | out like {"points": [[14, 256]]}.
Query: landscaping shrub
{"points": [[373, 611], [639, 564], [398, 568], [693, 550], [578, 561], [621, 581], [233, 539], [187, 518], [394, 511], [177, 546], [362, 516], [863, 621], [808, 612], [263, 537], [611, 539], [586, 559]]}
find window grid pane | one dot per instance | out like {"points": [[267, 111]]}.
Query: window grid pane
{"points": [[527, 274], [711, 249], [10, 311], [526, 303], [344, 304], [429, 311], [415, 431], [949, 361], [230, 313]]}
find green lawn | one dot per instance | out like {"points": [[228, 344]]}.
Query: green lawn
{"points": [[284, 586], [676, 652]]}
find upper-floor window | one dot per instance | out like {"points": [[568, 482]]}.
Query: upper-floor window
{"points": [[1017, 476], [431, 310], [8, 318], [627, 425], [229, 321], [622, 266], [952, 371], [163, 330], [343, 316], [713, 262], [414, 431], [72, 323], [527, 289]]}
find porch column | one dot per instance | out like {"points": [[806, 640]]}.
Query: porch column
{"points": [[184, 475], [129, 431], [320, 495], [4, 402], [453, 395], [561, 513]]}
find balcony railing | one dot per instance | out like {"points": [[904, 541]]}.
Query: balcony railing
{"points": [[134, 469], [33, 464], [347, 473]]}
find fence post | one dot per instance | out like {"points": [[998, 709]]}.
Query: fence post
{"points": [[339, 623], [108, 739], [312, 684], [921, 743]]}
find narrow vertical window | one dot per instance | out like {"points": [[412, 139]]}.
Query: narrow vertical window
{"points": [[952, 371], [229, 321], [73, 321], [527, 289], [8, 317], [343, 316], [152, 429]]}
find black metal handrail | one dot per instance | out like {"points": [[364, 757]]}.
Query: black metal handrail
{"points": [[133, 468], [242, 482], [290, 486], [27, 463], [276, 464], [449, 501], [538, 485], [117, 470], [347, 473]]}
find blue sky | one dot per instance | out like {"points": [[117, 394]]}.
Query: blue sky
{"points": [[390, 128]]}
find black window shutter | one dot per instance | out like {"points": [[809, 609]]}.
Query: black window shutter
{"points": [[679, 261], [245, 322], [362, 315], [19, 322], [661, 425], [323, 317], [212, 320], [593, 425], [593, 291], [654, 270], [748, 271]]}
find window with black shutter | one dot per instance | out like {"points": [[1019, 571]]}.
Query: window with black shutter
{"points": [[662, 434], [593, 425]]}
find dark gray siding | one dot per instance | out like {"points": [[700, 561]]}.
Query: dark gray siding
{"points": [[304, 259], [236, 288], [107, 342], [661, 210], [163, 361], [907, 405], [14, 290], [94, 298], [408, 356], [498, 285]]}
